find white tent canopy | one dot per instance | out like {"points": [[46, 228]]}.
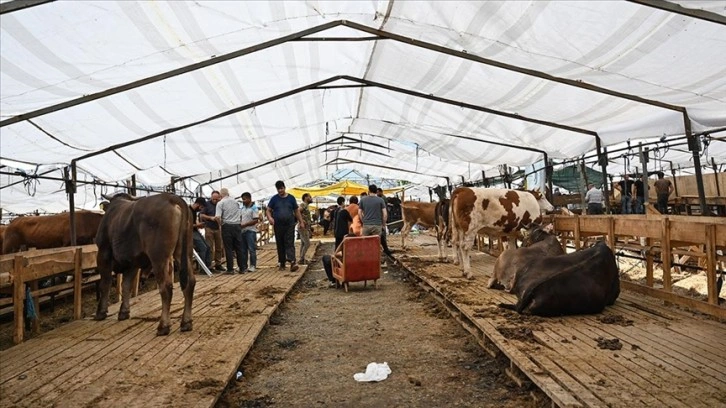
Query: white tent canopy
{"points": [[242, 94]]}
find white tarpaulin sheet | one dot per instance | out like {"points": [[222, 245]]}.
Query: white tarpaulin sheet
{"points": [[432, 89]]}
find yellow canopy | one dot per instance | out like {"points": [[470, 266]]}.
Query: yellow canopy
{"points": [[345, 188]]}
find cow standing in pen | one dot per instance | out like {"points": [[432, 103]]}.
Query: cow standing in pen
{"points": [[50, 231], [427, 215], [497, 209], [151, 232]]}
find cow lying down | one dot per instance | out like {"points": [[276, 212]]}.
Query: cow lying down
{"points": [[538, 243], [582, 282]]}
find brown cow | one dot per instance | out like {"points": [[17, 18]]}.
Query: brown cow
{"points": [[498, 209], [154, 232], [50, 231], [538, 243], [425, 215], [581, 282]]}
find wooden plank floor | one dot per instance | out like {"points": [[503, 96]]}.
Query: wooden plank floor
{"points": [[87, 363], [668, 357]]}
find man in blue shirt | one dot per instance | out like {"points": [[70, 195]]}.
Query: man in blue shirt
{"points": [[282, 211]]}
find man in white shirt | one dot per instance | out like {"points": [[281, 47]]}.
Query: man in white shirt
{"points": [[227, 215], [594, 198]]}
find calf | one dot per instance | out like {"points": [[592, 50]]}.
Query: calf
{"points": [[148, 233], [538, 243], [427, 215], [498, 209], [581, 282]]}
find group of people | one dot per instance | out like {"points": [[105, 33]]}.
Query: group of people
{"points": [[227, 225], [632, 195], [232, 226]]}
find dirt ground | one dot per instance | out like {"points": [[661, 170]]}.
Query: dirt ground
{"points": [[321, 336]]}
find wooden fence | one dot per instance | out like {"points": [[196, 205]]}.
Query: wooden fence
{"points": [[656, 238], [30, 267]]}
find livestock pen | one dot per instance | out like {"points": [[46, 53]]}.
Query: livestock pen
{"points": [[638, 352]]}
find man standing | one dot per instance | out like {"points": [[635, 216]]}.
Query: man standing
{"points": [[372, 212], [282, 210], [593, 198], [663, 189], [228, 216], [200, 244], [307, 232], [384, 242], [249, 217], [212, 232], [625, 186]]}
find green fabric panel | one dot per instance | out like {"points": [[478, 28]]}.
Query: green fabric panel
{"points": [[569, 178]]}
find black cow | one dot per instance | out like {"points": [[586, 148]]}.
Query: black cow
{"points": [[582, 282], [149, 233]]}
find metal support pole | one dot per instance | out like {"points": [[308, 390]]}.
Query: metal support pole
{"points": [[715, 176], [548, 177], [71, 191], [644, 177], [132, 185], [602, 158], [694, 147]]}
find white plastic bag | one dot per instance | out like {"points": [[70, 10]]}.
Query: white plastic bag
{"points": [[374, 372]]}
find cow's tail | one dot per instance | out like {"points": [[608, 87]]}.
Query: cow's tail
{"points": [[185, 231]]}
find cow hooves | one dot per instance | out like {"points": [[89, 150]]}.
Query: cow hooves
{"points": [[470, 277], [100, 316], [186, 326], [124, 315], [163, 330]]}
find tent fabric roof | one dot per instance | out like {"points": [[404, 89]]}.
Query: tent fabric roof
{"points": [[428, 90]]}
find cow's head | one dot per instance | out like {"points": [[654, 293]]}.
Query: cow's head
{"points": [[544, 205], [533, 233]]}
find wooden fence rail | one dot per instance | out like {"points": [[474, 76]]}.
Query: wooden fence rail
{"points": [[29, 267]]}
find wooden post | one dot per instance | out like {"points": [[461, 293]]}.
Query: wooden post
{"points": [[18, 299], [119, 277], [665, 254], [137, 279], [711, 263], [577, 233], [649, 262], [611, 233], [78, 284]]}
